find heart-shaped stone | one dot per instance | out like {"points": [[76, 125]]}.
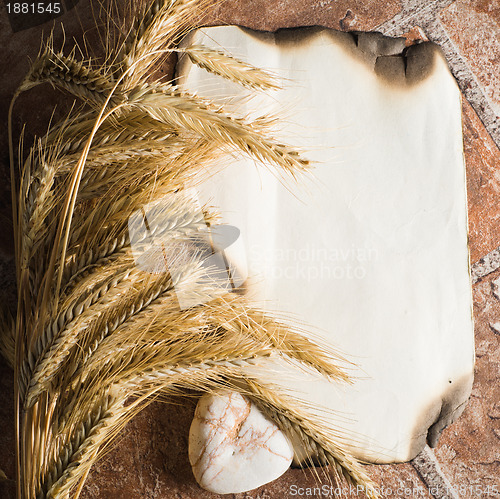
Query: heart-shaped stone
{"points": [[233, 447]]}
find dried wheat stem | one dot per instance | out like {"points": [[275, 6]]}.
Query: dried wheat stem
{"points": [[63, 230], [87, 439], [94, 231]]}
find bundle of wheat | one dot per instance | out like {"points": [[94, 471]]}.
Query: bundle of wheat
{"points": [[96, 336]]}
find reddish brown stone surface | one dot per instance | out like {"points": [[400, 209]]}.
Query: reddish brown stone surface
{"points": [[341, 14], [150, 458], [469, 451], [474, 27], [399, 480], [415, 35], [482, 158]]}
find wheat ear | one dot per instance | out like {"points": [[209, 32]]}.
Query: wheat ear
{"points": [[170, 106], [289, 342], [159, 26], [69, 74], [295, 423], [221, 64]]}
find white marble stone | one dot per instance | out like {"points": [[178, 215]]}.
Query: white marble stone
{"points": [[370, 251], [233, 447]]}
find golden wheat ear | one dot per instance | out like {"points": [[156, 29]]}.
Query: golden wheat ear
{"points": [[7, 334], [68, 73], [226, 66], [155, 33], [323, 447]]}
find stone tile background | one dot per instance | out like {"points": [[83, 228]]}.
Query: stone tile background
{"points": [[150, 458]]}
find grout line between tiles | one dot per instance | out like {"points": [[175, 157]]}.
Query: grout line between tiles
{"points": [[424, 14], [427, 467], [414, 11], [467, 81]]}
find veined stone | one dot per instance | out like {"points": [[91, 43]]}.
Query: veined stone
{"points": [[370, 250], [233, 447]]}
